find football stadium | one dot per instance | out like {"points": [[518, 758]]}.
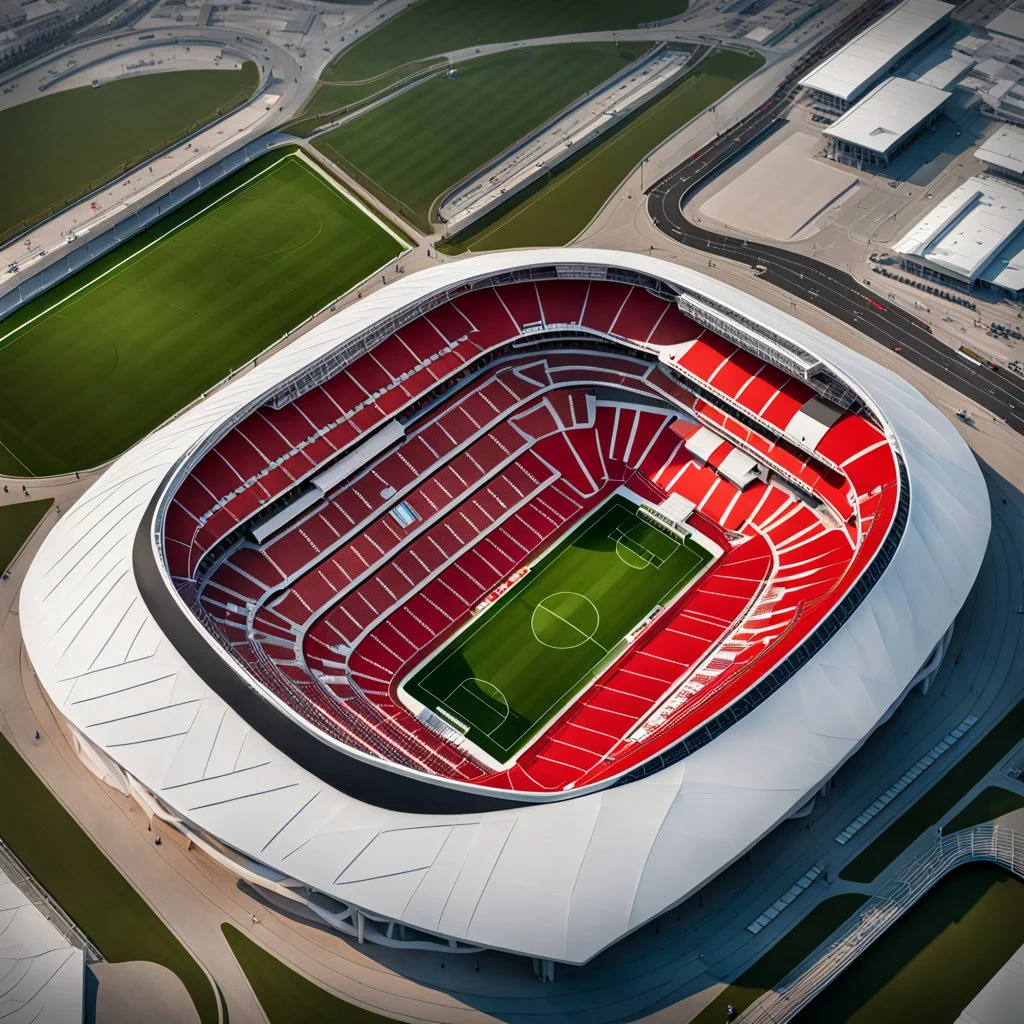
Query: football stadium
{"points": [[513, 603]]}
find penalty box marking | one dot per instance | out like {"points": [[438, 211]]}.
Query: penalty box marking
{"points": [[622, 537], [469, 689]]}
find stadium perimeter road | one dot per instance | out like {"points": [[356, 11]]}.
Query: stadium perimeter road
{"points": [[831, 290]]}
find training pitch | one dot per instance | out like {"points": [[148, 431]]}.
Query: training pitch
{"points": [[99, 361], [495, 100], [524, 658]]}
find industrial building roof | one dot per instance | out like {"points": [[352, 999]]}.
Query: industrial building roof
{"points": [[1007, 269], [967, 229], [856, 66], [946, 72], [1009, 22], [1004, 149], [888, 114]]}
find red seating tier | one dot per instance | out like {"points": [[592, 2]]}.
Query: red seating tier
{"points": [[494, 476]]}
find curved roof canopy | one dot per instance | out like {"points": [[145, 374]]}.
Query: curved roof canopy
{"points": [[561, 880]]}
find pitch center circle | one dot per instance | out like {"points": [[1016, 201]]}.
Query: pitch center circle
{"points": [[565, 620]]}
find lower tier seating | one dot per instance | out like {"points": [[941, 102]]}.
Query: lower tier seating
{"points": [[335, 609]]}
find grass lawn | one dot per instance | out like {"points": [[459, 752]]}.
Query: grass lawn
{"points": [[990, 803], [789, 951], [16, 523], [933, 961], [93, 365], [421, 143], [556, 212], [69, 143], [532, 651], [930, 808], [440, 26], [332, 96], [285, 995], [97, 897]]}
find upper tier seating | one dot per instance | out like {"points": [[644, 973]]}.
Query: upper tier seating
{"points": [[334, 609]]}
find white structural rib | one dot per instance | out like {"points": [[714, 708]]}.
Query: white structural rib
{"points": [[562, 880]]}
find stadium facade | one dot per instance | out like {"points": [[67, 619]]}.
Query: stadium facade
{"points": [[228, 620]]}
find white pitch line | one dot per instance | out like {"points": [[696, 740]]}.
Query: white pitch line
{"points": [[139, 252], [586, 637]]}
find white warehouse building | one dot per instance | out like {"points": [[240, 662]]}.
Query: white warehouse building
{"points": [[841, 79], [975, 235], [880, 126]]}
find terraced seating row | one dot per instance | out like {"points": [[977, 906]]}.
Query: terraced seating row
{"points": [[356, 503], [273, 449], [403, 567], [491, 476]]}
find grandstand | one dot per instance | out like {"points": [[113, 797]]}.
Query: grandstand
{"points": [[338, 538], [511, 604]]}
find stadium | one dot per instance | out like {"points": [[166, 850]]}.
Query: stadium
{"points": [[513, 603]]}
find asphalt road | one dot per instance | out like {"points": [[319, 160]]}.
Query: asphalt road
{"points": [[832, 290]]}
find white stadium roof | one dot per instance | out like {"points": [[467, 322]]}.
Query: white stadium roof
{"points": [[966, 230], [1004, 148], [558, 880], [887, 115], [42, 976], [857, 65]]}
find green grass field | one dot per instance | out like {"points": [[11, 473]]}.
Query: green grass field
{"points": [[991, 803], [556, 212], [328, 97], [69, 143], [93, 365], [405, 149], [92, 892], [546, 639], [935, 959], [439, 26], [16, 525], [285, 995]]}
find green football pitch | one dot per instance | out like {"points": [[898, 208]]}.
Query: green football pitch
{"points": [[400, 152], [556, 211], [96, 363], [524, 658], [441, 26]]}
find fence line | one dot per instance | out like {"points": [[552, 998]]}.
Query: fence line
{"points": [[1002, 846]]}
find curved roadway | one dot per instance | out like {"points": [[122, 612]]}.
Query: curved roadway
{"points": [[830, 289]]}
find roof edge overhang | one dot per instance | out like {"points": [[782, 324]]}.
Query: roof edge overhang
{"points": [[560, 880]]}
